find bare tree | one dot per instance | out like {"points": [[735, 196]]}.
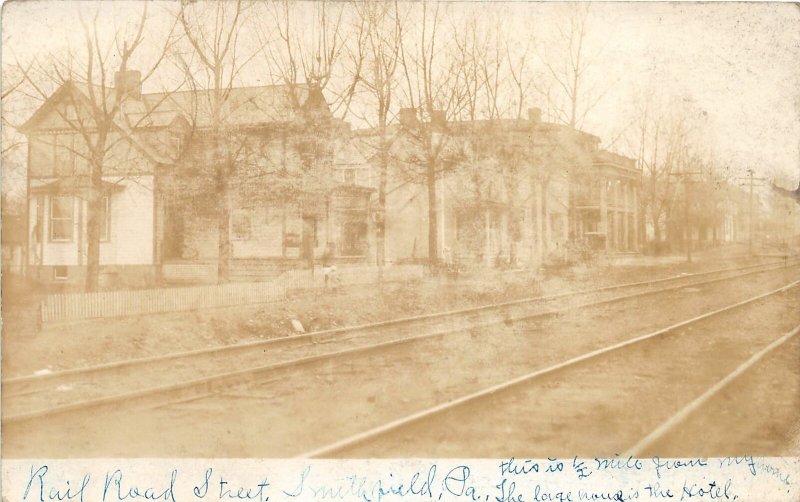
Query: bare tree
{"points": [[13, 79], [306, 47], [376, 64], [213, 30], [95, 114], [567, 59], [497, 159], [300, 57], [520, 76], [663, 149], [434, 91]]}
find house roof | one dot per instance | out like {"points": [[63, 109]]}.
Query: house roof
{"points": [[556, 142], [242, 106], [73, 185]]}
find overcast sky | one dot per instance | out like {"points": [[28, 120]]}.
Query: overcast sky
{"points": [[736, 66]]}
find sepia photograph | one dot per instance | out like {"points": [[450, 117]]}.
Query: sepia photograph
{"points": [[283, 229]]}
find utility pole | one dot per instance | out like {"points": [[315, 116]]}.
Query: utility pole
{"points": [[687, 182], [751, 215]]}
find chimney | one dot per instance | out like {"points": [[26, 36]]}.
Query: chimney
{"points": [[535, 115], [438, 120], [129, 83], [408, 118]]}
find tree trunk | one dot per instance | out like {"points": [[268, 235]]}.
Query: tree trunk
{"points": [[656, 227], [383, 181], [93, 230], [548, 231], [433, 227], [223, 229], [93, 240]]}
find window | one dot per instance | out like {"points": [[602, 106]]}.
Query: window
{"points": [[354, 238], [61, 217], [350, 176], [176, 138], [60, 273]]}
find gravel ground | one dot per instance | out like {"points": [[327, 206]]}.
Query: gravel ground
{"points": [[759, 409], [606, 406], [25, 351], [67, 389], [301, 411]]}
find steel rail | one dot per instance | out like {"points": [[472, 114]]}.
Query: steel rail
{"points": [[665, 427], [481, 394], [210, 384], [311, 337]]}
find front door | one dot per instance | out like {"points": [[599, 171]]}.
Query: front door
{"points": [[309, 240], [173, 234]]}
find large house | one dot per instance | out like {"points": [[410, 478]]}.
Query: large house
{"points": [[161, 207], [283, 182], [508, 191]]}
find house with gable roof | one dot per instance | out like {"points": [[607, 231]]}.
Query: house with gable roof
{"points": [[292, 192]]}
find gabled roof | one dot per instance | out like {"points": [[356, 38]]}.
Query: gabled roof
{"points": [[549, 141], [243, 106], [48, 106]]}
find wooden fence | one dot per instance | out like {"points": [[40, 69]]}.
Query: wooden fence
{"points": [[80, 306]]}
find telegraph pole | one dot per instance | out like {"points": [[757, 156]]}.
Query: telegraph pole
{"points": [[684, 176], [751, 216]]}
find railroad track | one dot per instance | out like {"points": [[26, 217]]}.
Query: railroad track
{"points": [[202, 372], [449, 419]]}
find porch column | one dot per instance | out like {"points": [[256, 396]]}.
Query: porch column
{"points": [[539, 209], [371, 248], [604, 212], [635, 219], [626, 215], [615, 195]]}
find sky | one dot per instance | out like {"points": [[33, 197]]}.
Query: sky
{"points": [[735, 67]]}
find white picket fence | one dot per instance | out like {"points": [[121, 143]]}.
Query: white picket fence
{"points": [[106, 304]]}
